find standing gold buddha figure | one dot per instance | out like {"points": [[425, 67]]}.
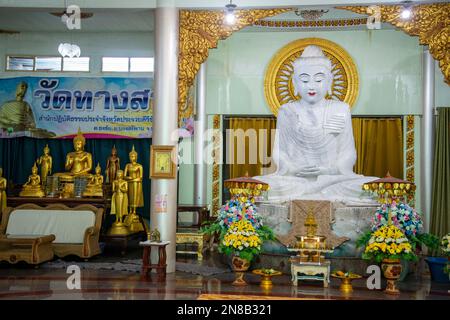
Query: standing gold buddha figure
{"points": [[46, 163], [119, 205], [94, 188], [33, 187], [3, 185], [134, 173], [112, 165], [78, 162]]}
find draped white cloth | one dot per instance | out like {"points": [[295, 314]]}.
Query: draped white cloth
{"points": [[308, 136]]}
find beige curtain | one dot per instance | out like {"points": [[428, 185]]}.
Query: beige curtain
{"points": [[379, 146], [378, 142], [249, 147]]}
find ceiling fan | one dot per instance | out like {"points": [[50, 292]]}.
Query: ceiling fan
{"points": [[4, 31], [83, 15]]}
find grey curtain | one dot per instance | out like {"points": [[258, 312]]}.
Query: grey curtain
{"points": [[440, 207]]}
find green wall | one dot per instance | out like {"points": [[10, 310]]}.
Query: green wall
{"points": [[389, 64], [388, 61]]}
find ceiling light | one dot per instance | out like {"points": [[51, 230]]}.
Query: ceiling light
{"points": [[406, 11], [69, 50], [230, 18]]}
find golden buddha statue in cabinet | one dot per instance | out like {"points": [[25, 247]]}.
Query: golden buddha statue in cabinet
{"points": [[119, 205], [46, 163], [134, 173], [112, 166], [33, 187], [3, 184], [94, 187], [78, 162]]}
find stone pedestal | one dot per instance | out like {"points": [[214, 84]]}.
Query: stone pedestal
{"points": [[346, 221]]}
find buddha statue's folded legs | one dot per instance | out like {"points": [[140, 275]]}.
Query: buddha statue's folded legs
{"points": [[346, 189]]}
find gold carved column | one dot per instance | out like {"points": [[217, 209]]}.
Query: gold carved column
{"points": [[201, 30], [410, 148], [217, 147], [430, 22]]}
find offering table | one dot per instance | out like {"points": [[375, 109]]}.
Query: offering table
{"points": [[311, 271]]}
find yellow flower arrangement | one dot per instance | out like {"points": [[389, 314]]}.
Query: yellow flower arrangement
{"points": [[389, 242], [242, 239]]}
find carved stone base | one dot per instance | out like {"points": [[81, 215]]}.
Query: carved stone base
{"points": [[339, 223]]}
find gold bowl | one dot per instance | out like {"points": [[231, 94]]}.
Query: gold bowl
{"points": [[346, 278], [266, 276]]}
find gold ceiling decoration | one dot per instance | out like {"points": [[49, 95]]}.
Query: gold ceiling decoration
{"points": [[278, 88], [430, 22], [201, 30], [311, 24]]}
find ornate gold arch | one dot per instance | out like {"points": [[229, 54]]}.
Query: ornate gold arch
{"points": [[278, 88], [430, 22], [201, 30]]}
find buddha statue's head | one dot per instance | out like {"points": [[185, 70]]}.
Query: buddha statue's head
{"points": [[34, 169], [46, 149], [312, 77], [79, 141], [1, 172], [114, 151], [133, 155], [98, 169], [21, 90], [119, 175]]}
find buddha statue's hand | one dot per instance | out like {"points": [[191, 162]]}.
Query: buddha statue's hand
{"points": [[312, 171]]}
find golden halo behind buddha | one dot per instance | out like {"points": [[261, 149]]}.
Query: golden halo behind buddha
{"points": [[278, 87]]}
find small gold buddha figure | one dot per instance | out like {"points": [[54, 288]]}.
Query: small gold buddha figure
{"points": [[46, 163], [156, 236], [78, 162], [112, 165], [133, 175], [33, 187], [3, 184], [119, 205], [94, 188]]}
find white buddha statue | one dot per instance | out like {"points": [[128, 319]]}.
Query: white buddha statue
{"points": [[314, 148]]}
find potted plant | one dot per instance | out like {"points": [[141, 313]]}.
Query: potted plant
{"points": [[438, 264], [241, 232], [242, 244], [404, 217], [234, 210], [389, 245]]}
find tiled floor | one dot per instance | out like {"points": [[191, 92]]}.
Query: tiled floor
{"points": [[24, 282]]}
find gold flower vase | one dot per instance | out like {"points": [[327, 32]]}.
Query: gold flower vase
{"points": [[392, 268], [240, 266]]}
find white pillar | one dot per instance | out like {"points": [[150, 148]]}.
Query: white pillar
{"points": [[165, 121], [427, 138], [201, 125]]}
